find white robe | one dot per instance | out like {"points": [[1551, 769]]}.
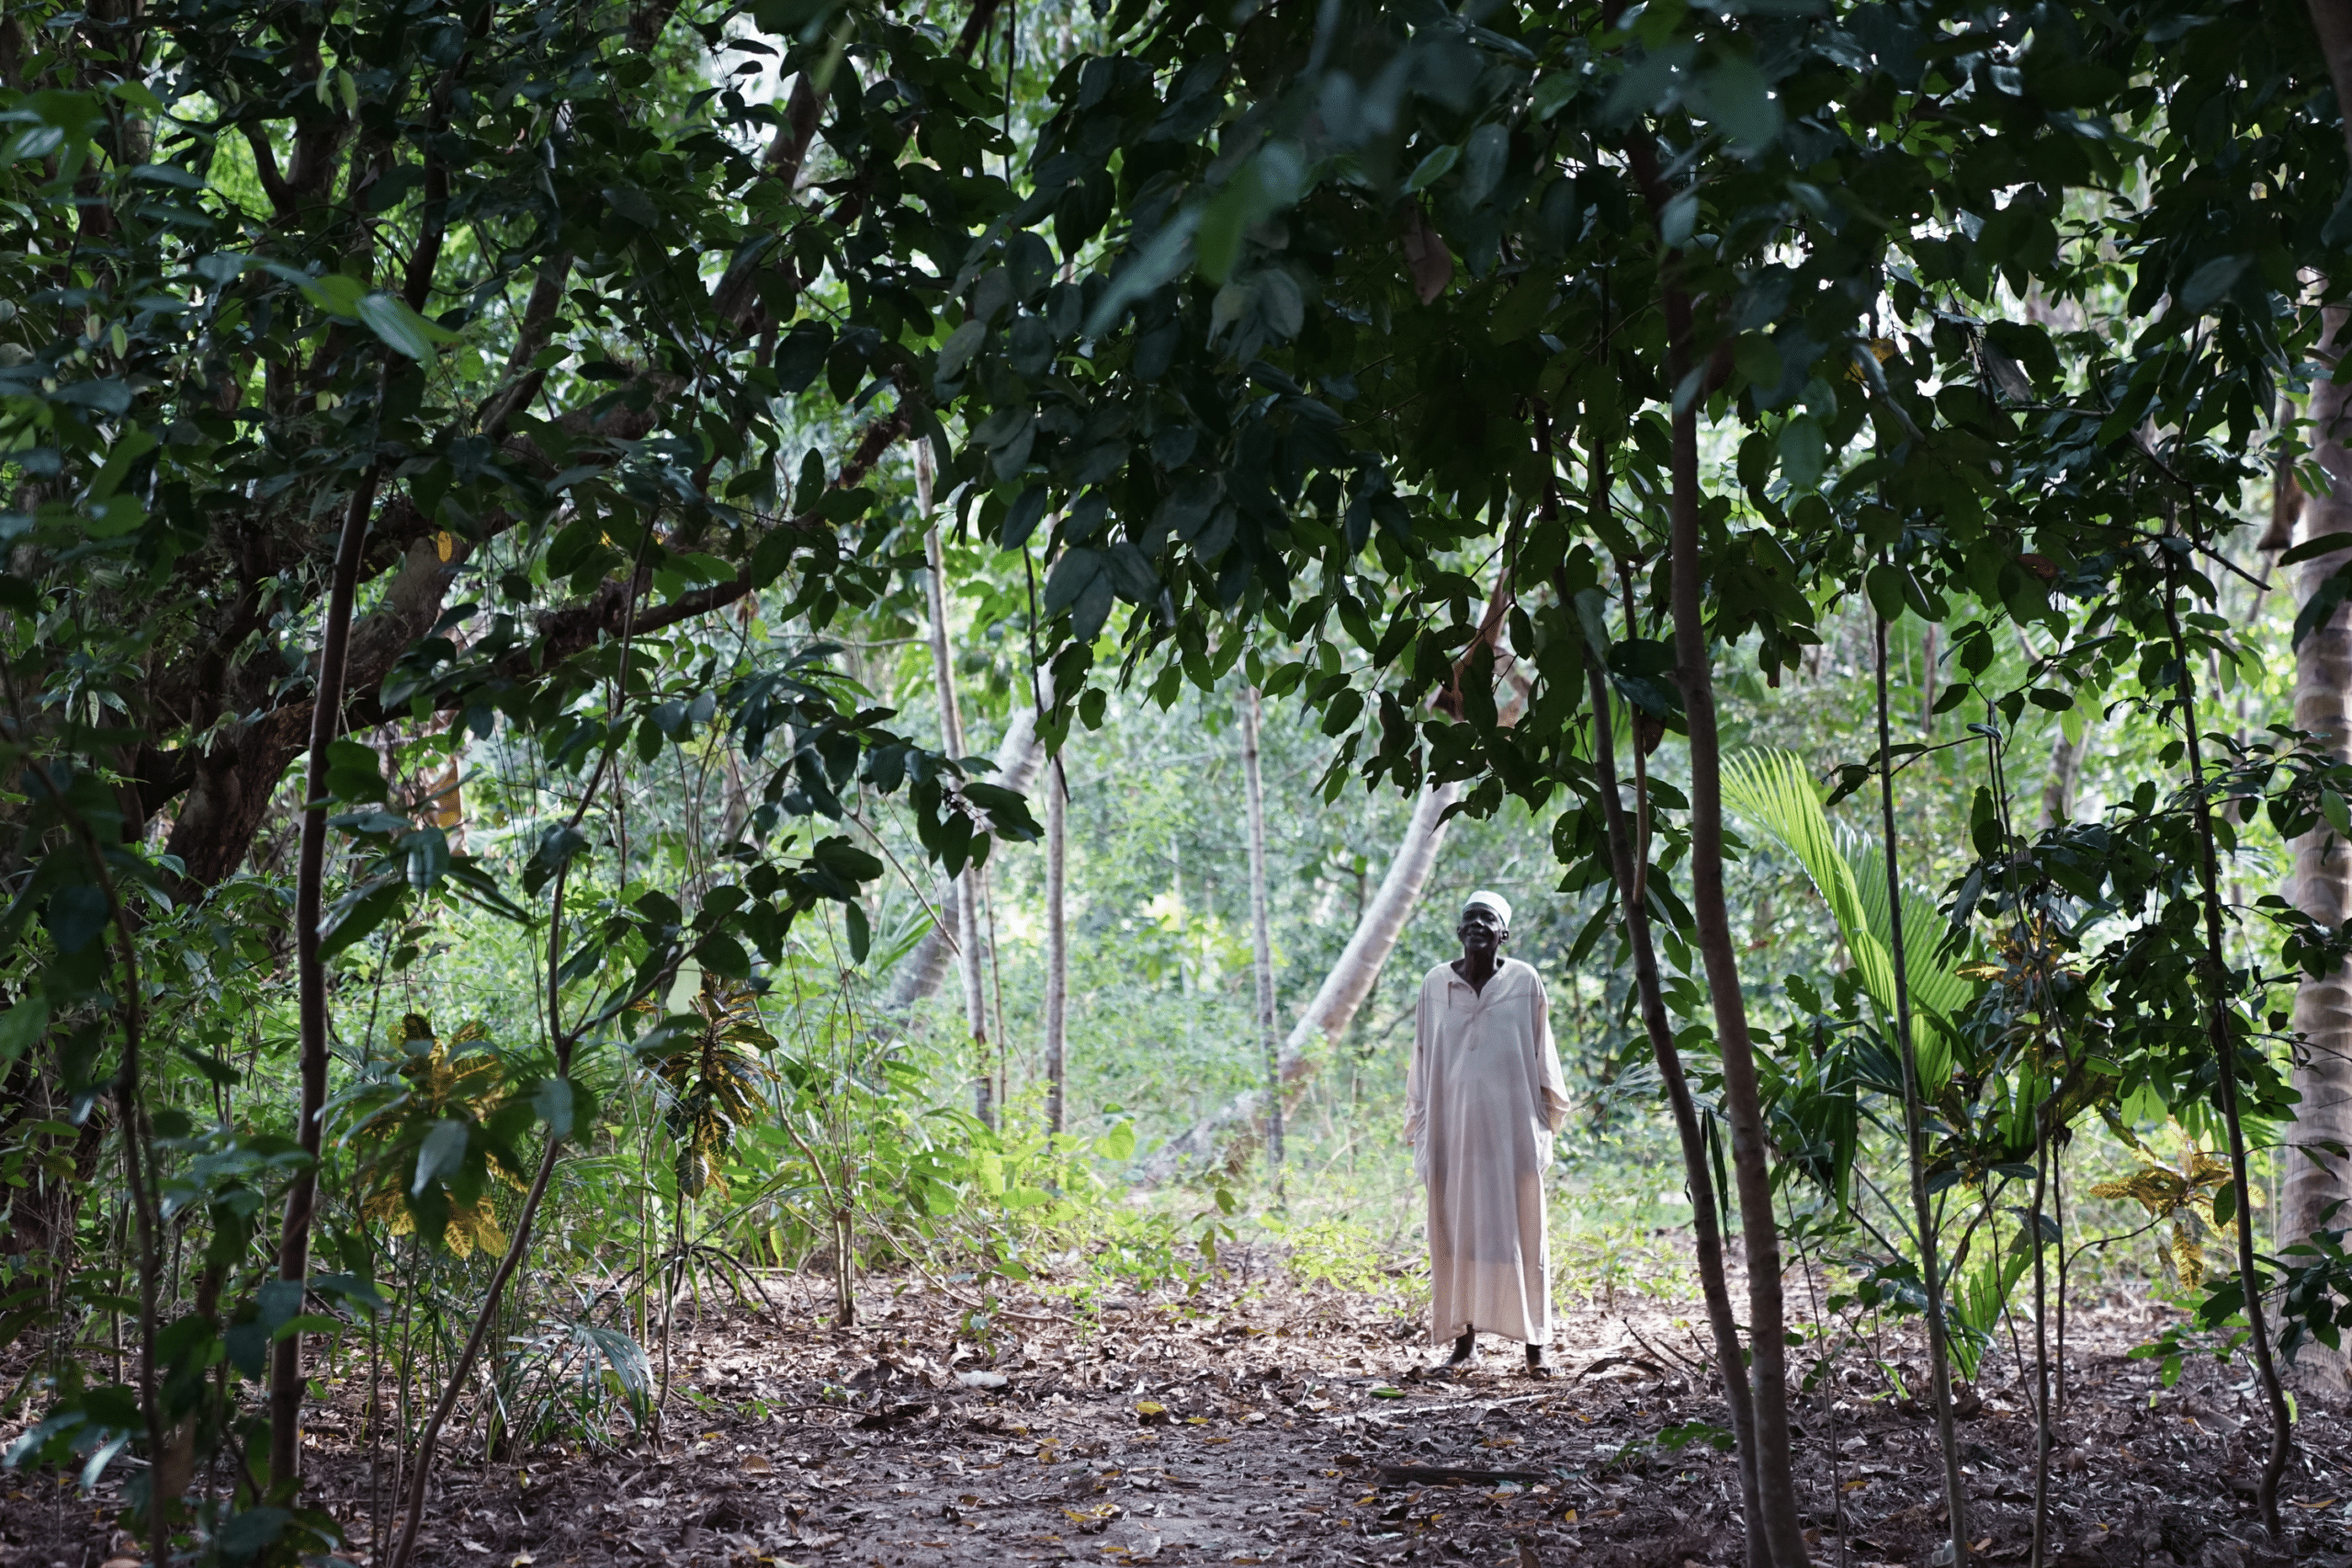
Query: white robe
{"points": [[1482, 1100]]}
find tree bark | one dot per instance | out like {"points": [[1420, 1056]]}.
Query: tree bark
{"points": [[1706, 1234], [286, 1379], [2065, 772], [2320, 881], [1260, 932], [1628, 845], [2225, 1048], [951, 732], [1743, 1109]]}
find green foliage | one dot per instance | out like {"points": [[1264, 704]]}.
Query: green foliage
{"points": [[1341, 353], [1771, 790]]}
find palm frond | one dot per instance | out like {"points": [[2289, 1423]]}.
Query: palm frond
{"points": [[1772, 791]]}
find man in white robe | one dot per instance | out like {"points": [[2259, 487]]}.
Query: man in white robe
{"points": [[1483, 1099]]}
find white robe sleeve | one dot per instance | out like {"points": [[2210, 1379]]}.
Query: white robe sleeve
{"points": [[1552, 1109]]}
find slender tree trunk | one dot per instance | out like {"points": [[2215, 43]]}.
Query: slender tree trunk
{"points": [[1706, 1235], [286, 1379], [421, 1473], [969, 965], [1057, 949], [1627, 844], [428, 1439], [1743, 1108], [2043, 1152], [1923, 1207], [1260, 932], [2319, 883], [2225, 1048]]}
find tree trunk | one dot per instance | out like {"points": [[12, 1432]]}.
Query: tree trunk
{"points": [[1261, 934], [969, 965], [286, 1379], [1706, 1234], [2319, 881], [2225, 1048], [1057, 949], [1743, 1109]]}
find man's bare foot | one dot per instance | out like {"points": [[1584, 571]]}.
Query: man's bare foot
{"points": [[1535, 1366], [1465, 1350]]}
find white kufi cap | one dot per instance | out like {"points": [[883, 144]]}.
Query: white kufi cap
{"points": [[1492, 900]]}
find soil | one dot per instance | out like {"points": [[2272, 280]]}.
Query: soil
{"points": [[1265, 1422]]}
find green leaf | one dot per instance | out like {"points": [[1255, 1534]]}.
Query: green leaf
{"points": [[135, 443], [1679, 219], [360, 912], [22, 1025], [842, 856], [403, 329], [441, 1154], [1434, 168], [1118, 1143], [1884, 584], [307, 1323], [1071, 576], [634, 205], [961, 344], [138, 96], [336, 294], [2331, 805], [1804, 452], [2209, 283], [1737, 97], [2311, 549], [354, 772], [552, 1101]]}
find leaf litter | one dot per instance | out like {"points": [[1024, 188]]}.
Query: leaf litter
{"points": [[1266, 1423]]}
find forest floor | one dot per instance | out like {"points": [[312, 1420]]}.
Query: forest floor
{"points": [[1264, 1422]]}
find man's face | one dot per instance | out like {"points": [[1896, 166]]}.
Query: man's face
{"points": [[1481, 931]]}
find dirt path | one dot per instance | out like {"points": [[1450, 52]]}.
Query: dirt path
{"points": [[1271, 1425]]}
